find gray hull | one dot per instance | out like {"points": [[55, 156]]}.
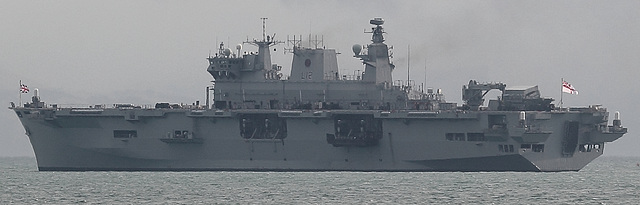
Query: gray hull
{"points": [[319, 119], [81, 141]]}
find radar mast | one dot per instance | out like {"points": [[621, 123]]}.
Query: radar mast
{"points": [[264, 54], [377, 31]]}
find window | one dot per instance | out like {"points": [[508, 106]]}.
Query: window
{"points": [[125, 133], [537, 148], [455, 136], [525, 146], [449, 136], [505, 148], [497, 121], [476, 137]]}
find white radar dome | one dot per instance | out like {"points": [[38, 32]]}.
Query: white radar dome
{"points": [[357, 48], [226, 52]]}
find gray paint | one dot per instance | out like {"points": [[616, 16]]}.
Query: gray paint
{"points": [[412, 138], [77, 51]]}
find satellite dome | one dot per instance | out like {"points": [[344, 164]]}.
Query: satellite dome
{"points": [[239, 47], [226, 52], [356, 49]]}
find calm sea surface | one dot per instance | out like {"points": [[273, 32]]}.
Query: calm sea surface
{"points": [[607, 180]]}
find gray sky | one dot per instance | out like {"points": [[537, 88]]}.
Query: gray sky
{"points": [[142, 52]]}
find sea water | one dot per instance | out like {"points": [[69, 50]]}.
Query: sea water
{"points": [[607, 180]]}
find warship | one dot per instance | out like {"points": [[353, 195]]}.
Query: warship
{"points": [[256, 118]]}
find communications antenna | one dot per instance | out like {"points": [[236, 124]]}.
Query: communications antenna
{"points": [[264, 28]]}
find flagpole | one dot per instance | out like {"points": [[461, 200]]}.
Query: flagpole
{"points": [[561, 92], [20, 91]]}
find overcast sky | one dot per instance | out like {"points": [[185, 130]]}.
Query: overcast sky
{"points": [[143, 52]]}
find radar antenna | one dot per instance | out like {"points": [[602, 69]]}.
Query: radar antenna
{"points": [[267, 40], [264, 28], [377, 31], [315, 42], [295, 43]]}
